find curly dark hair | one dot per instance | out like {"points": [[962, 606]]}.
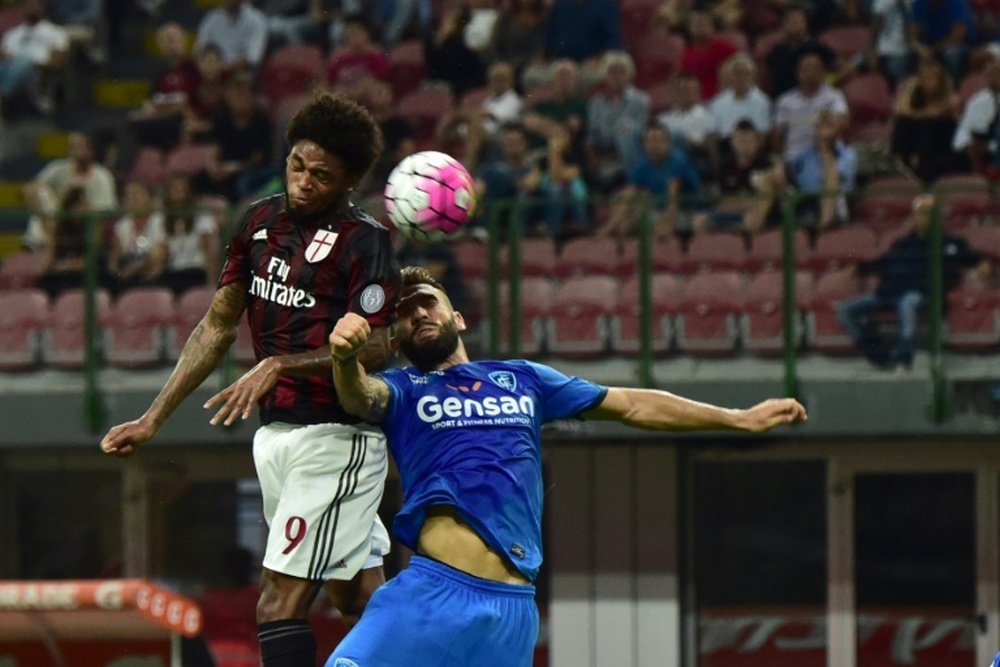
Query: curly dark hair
{"points": [[418, 275], [342, 128]]}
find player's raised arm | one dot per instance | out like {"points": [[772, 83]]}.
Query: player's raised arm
{"points": [[201, 354], [662, 411], [359, 394]]}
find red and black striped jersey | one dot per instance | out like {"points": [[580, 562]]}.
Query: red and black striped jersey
{"points": [[302, 274]]}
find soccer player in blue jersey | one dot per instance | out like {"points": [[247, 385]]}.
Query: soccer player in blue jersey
{"points": [[466, 437]]}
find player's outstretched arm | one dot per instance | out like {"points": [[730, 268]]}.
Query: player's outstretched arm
{"points": [[662, 411], [201, 354], [359, 394], [238, 400]]}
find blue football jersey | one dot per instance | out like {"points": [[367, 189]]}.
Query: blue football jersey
{"points": [[470, 437]]}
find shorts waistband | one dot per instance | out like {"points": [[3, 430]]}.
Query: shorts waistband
{"points": [[425, 564]]}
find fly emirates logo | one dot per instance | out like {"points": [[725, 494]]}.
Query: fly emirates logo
{"points": [[490, 411], [272, 287]]}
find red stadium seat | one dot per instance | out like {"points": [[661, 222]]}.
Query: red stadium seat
{"points": [[291, 70], [766, 250], [846, 246], [667, 256], [883, 209], [588, 256], [64, 341], [425, 107], [657, 58], [762, 325], [535, 303], [625, 325], [137, 327], [189, 159], [715, 252], [984, 239], [408, 70], [21, 270], [636, 18], [472, 257], [868, 98], [538, 257], [149, 167], [24, 313], [823, 330], [706, 323], [580, 315], [473, 99], [973, 319], [191, 307], [965, 198], [847, 40]]}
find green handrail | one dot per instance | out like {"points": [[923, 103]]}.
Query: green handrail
{"points": [[939, 408], [493, 278], [646, 378], [95, 412], [789, 304]]}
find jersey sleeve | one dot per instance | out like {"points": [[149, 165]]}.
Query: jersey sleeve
{"points": [[237, 266], [392, 379], [375, 282], [563, 396]]}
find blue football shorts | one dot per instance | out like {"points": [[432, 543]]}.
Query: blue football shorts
{"points": [[432, 614]]}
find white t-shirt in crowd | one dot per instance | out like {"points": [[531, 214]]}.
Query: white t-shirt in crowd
{"points": [[505, 108], [184, 251], [798, 113], [135, 243], [728, 110], [892, 37], [35, 42], [979, 113], [693, 125]]}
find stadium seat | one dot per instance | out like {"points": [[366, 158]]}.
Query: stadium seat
{"points": [[148, 167], [984, 239], [762, 325], [24, 313], [425, 107], [243, 352], [472, 257], [973, 319], [538, 257], [706, 323], [847, 40], [823, 330], [579, 319], [588, 255], [21, 270], [408, 70], [883, 209], [625, 324], [965, 198], [535, 303], [189, 159], [137, 327], [64, 340], [636, 17], [667, 256], [715, 252], [473, 99], [868, 98], [842, 247], [766, 250], [657, 58], [291, 70], [191, 307]]}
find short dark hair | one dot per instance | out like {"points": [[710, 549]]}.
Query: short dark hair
{"points": [[418, 275], [745, 125], [341, 127]]}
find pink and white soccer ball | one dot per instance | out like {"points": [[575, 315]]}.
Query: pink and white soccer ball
{"points": [[429, 195]]}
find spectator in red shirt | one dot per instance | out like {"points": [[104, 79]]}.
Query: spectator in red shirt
{"points": [[158, 122], [705, 51], [359, 59]]}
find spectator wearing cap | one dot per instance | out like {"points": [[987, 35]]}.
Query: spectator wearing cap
{"points": [[239, 30]]}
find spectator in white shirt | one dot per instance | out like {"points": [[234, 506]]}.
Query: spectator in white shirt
{"points": [[687, 120], [239, 30], [740, 100], [978, 131], [138, 251], [799, 108], [28, 50], [890, 47]]}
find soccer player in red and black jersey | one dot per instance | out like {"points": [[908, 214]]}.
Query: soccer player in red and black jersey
{"points": [[297, 263]]}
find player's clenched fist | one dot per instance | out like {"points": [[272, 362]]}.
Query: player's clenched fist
{"points": [[348, 336], [773, 412]]}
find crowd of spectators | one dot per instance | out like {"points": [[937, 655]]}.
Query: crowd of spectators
{"points": [[706, 114]]}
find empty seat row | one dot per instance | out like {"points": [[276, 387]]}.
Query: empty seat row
{"points": [[709, 314], [834, 249], [144, 327]]}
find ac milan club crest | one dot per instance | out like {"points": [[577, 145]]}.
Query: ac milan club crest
{"points": [[321, 246]]}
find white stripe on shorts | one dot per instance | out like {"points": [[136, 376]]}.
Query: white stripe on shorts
{"points": [[346, 485]]}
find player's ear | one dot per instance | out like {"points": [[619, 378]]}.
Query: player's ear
{"points": [[459, 321]]}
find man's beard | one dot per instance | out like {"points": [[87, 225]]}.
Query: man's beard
{"points": [[426, 356]]}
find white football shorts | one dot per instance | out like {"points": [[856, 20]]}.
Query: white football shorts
{"points": [[322, 485]]}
